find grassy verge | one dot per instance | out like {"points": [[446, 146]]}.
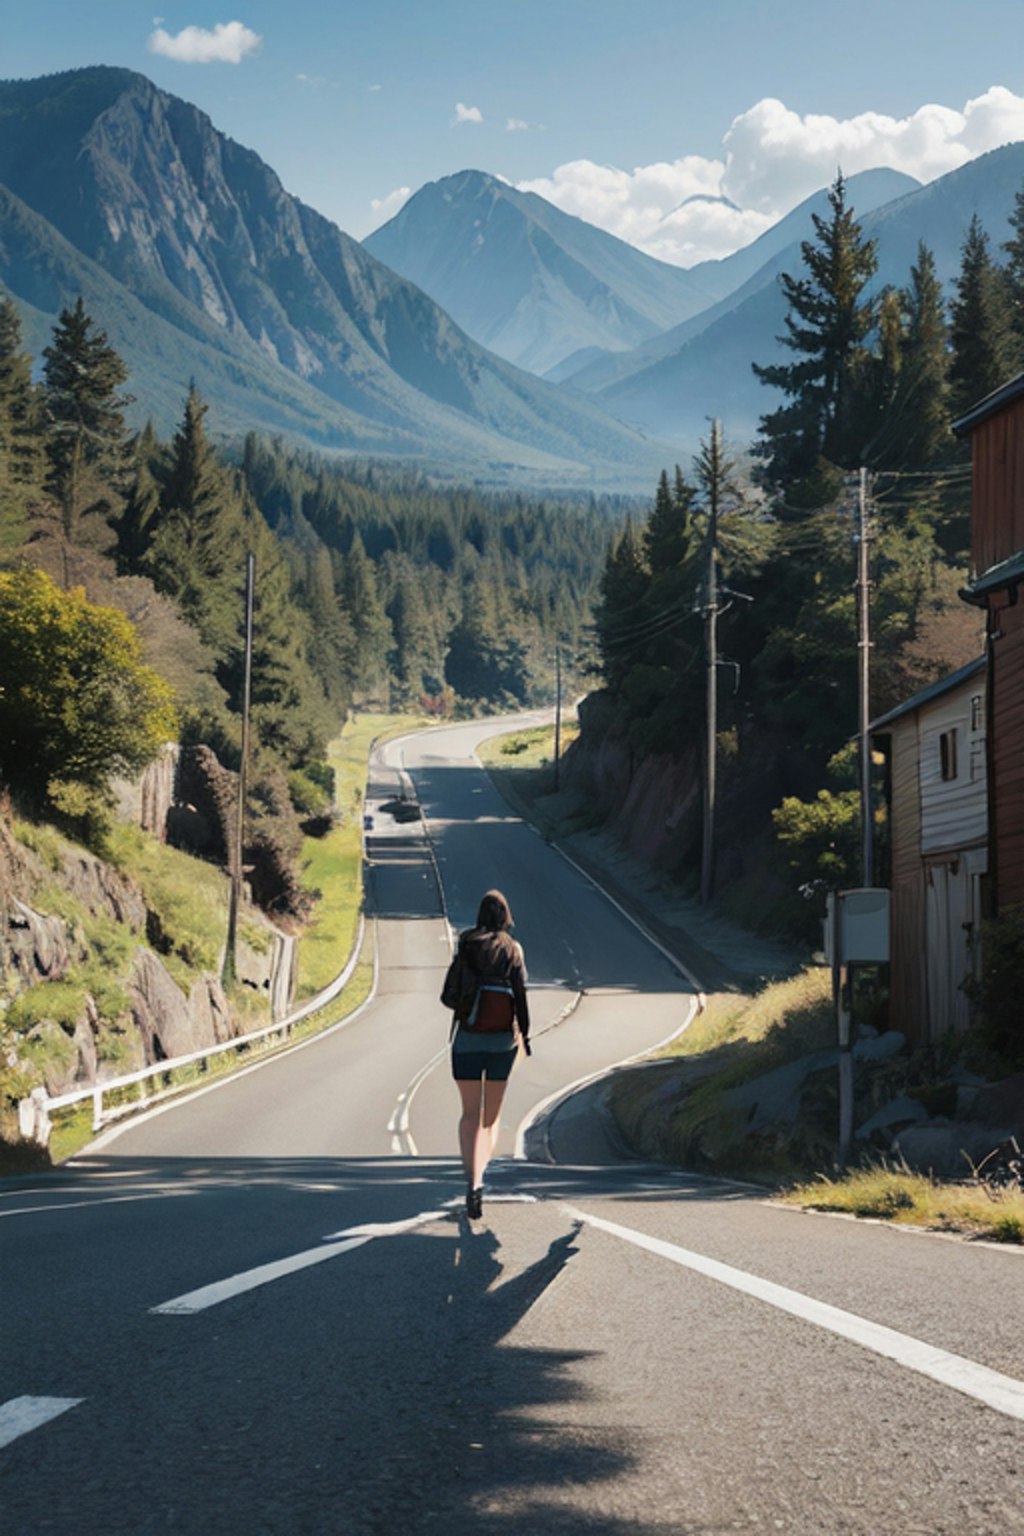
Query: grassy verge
{"points": [[915, 1200], [72, 1129], [688, 1108], [332, 865], [522, 766]]}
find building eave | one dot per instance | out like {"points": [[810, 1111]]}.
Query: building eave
{"points": [[996, 401], [927, 695], [1004, 577]]}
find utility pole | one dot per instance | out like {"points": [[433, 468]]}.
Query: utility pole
{"points": [[230, 969], [864, 679], [707, 856], [558, 714]]}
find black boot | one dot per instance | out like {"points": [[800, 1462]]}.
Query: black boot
{"points": [[475, 1203]]}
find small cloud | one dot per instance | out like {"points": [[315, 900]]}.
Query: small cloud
{"points": [[464, 114], [228, 43], [376, 87], [516, 125], [387, 207]]}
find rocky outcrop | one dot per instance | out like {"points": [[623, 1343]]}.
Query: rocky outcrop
{"points": [[651, 801], [168, 1022], [101, 889], [147, 800]]}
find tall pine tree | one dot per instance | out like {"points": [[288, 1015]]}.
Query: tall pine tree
{"points": [[197, 544], [21, 441], [979, 333], [87, 437], [828, 322]]}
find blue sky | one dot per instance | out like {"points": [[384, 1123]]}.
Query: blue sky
{"points": [[618, 110]]}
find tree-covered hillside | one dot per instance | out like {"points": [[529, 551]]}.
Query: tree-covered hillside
{"points": [[874, 381], [372, 586]]}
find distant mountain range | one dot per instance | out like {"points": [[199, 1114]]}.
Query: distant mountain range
{"points": [[550, 292], [670, 382], [199, 265], [527, 280]]}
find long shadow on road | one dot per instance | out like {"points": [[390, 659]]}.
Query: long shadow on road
{"points": [[381, 1391]]}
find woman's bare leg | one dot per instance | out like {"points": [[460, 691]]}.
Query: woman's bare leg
{"points": [[479, 1126], [471, 1093]]}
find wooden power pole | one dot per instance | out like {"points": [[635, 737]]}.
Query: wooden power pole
{"points": [[707, 857], [230, 969]]}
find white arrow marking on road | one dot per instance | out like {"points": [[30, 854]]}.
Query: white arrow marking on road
{"points": [[1004, 1393], [21, 1414]]}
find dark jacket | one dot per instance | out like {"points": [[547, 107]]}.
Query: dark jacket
{"points": [[486, 956]]}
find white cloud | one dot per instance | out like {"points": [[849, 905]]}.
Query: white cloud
{"points": [[464, 114], [773, 158], [386, 207], [516, 125], [376, 87], [228, 43]]}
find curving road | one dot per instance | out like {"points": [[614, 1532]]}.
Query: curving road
{"points": [[261, 1311]]}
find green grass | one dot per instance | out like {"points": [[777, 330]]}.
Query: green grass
{"points": [[189, 896], [522, 766], [917, 1200], [333, 865], [72, 1128], [680, 1113]]}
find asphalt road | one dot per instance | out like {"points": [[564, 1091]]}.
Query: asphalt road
{"points": [[262, 1311]]}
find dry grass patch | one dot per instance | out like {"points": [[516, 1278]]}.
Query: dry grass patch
{"points": [[917, 1200]]}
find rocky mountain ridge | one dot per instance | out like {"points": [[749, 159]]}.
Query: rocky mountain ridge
{"points": [[200, 265]]}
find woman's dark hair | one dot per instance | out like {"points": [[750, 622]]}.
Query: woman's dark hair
{"points": [[494, 912]]}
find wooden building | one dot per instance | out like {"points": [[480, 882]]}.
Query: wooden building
{"points": [[934, 746], [996, 430]]}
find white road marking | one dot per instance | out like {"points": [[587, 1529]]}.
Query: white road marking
{"points": [[251, 1279], [22, 1414], [387, 1228], [264, 1274], [74, 1205], [1004, 1393], [553, 1099]]}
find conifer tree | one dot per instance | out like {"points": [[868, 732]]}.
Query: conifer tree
{"points": [[197, 545], [85, 407], [21, 453], [333, 638], [137, 523], [828, 322], [1014, 276], [619, 618], [979, 333], [370, 624], [921, 411]]}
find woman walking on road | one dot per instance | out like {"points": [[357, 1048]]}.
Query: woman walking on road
{"points": [[486, 988]]}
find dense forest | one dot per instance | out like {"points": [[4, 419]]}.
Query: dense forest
{"points": [[122, 569], [876, 380]]}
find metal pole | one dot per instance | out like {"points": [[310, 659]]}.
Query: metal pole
{"points": [[864, 682], [558, 713], [707, 858], [235, 898]]}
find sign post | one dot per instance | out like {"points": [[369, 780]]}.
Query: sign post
{"points": [[856, 933]]}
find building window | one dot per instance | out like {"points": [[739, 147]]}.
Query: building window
{"points": [[947, 754], [977, 713]]}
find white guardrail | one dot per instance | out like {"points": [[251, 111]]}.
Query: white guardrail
{"points": [[34, 1112]]}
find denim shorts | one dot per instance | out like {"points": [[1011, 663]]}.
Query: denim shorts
{"points": [[479, 1055]]}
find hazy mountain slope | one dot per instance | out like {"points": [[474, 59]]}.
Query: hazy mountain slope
{"points": [[199, 231], [710, 373], [743, 273], [530, 282]]}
